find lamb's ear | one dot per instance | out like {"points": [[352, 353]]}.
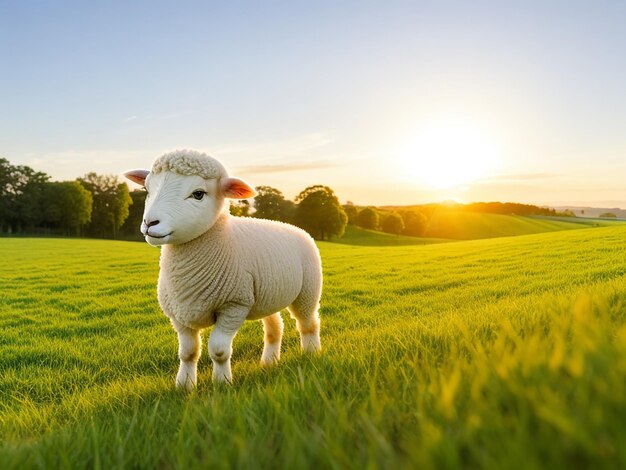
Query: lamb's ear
{"points": [[235, 188], [137, 176]]}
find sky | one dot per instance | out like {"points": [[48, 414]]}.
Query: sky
{"points": [[386, 102]]}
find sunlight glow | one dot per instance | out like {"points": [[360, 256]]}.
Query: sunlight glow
{"points": [[448, 153]]}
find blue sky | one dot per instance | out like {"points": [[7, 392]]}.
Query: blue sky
{"points": [[297, 93]]}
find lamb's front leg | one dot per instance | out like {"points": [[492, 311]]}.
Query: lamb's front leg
{"points": [[189, 348], [229, 320]]}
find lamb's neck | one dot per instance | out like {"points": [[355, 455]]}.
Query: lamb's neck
{"points": [[205, 250]]}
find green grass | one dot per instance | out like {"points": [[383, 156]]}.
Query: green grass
{"points": [[504, 353], [462, 225]]}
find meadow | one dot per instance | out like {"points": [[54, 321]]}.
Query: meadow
{"points": [[500, 353]]}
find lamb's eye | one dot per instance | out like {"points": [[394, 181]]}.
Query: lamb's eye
{"points": [[198, 195]]}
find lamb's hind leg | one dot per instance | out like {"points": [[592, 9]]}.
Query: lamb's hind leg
{"points": [[308, 323], [273, 335]]}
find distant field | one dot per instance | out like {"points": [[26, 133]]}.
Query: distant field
{"points": [[361, 237], [503, 353], [462, 225], [591, 221]]}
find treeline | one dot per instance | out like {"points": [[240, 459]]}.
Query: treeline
{"points": [[511, 208], [102, 206], [414, 220], [403, 221], [94, 205], [503, 208]]}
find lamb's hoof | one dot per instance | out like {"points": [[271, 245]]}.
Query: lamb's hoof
{"points": [[222, 377], [222, 381], [185, 383], [270, 357], [311, 344], [185, 387], [269, 361]]}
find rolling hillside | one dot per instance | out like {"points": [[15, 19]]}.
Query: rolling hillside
{"points": [[502, 353], [360, 237], [461, 225]]}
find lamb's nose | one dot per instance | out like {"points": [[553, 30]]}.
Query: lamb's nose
{"points": [[151, 223]]}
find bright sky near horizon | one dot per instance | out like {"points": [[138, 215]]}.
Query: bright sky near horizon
{"points": [[386, 102]]}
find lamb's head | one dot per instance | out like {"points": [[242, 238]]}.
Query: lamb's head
{"points": [[186, 193]]}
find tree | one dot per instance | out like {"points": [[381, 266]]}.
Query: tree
{"points": [[132, 224], [318, 212], [288, 211], [240, 208], [565, 213], [67, 206], [122, 203], [415, 223], [393, 224], [368, 218], [111, 200], [269, 203], [351, 211], [608, 215], [5, 182], [27, 210], [21, 197]]}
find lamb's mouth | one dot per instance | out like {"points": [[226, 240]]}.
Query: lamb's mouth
{"points": [[154, 236]]}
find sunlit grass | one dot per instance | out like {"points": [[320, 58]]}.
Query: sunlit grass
{"points": [[503, 353]]}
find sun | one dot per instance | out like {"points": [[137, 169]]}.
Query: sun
{"points": [[445, 154]]}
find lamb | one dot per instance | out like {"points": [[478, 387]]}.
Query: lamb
{"points": [[219, 270]]}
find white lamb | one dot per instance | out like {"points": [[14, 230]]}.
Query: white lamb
{"points": [[222, 270]]}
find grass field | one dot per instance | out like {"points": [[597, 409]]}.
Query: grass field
{"points": [[503, 353], [462, 225]]}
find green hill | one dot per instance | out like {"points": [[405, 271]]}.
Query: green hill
{"points": [[447, 226], [501, 353], [461, 225], [361, 237]]}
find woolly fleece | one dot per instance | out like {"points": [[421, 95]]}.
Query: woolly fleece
{"points": [[188, 163], [259, 266]]}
